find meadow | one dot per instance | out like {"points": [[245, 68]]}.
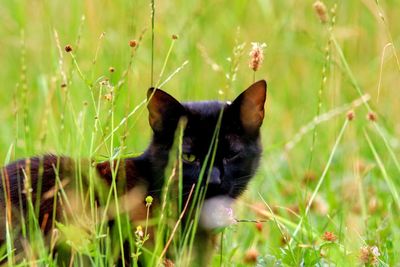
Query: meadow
{"points": [[327, 190]]}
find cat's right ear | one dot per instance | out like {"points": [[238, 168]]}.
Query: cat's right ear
{"points": [[164, 110]]}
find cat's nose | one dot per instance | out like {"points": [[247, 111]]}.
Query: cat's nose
{"points": [[215, 177]]}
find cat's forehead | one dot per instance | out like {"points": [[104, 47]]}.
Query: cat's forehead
{"points": [[205, 108], [202, 117]]}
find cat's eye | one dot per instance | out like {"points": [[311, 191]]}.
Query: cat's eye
{"points": [[189, 157]]}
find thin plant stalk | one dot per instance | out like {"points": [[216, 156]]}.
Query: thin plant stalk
{"points": [[153, 11], [388, 180], [321, 179]]}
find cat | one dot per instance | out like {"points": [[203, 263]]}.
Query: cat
{"points": [[36, 183]]}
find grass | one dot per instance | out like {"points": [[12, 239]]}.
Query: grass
{"points": [[320, 172]]}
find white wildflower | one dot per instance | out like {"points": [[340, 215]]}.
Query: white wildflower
{"points": [[216, 212]]}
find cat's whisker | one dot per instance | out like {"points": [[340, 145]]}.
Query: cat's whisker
{"points": [[243, 178]]}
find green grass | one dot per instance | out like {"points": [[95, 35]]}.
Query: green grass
{"points": [[319, 172]]}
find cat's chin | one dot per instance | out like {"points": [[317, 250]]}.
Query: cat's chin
{"points": [[216, 213]]}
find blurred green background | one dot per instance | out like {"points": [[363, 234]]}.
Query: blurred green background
{"points": [[39, 115]]}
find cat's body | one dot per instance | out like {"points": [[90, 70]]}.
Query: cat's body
{"points": [[234, 157]]}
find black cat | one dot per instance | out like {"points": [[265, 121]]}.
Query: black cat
{"points": [[234, 153]]}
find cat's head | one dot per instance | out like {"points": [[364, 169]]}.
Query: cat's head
{"points": [[238, 147]]}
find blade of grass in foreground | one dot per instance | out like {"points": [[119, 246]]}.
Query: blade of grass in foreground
{"points": [[9, 237], [153, 13], [321, 179], [385, 175], [381, 133], [280, 230], [355, 84], [166, 200], [145, 101], [323, 118], [278, 219]]}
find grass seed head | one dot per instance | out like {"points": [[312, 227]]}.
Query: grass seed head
{"points": [[259, 226], [371, 116], [68, 48], [104, 82], [309, 176], [320, 10], [369, 255], [168, 263], [132, 43], [111, 69], [373, 204], [251, 256], [256, 55], [360, 166], [293, 209], [350, 115], [320, 205], [329, 236], [108, 97], [175, 37], [285, 238]]}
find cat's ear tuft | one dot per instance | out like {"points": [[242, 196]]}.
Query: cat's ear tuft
{"points": [[164, 110], [250, 105]]}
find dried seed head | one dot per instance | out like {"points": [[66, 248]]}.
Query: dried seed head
{"points": [[371, 116], [68, 48], [373, 204], [132, 43], [256, 55], [360, 166], [309, 176], [320, 205], [294, 209], [111, 69], [108, 97], [259, 226], [369, 255], [350, 115], [251, 256], [63, 85], [320, 10], [168, 263], [175, 37], [285, 239], [329, 236]]}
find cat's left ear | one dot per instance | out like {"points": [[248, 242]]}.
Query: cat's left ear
{"points": [[164, 111], [250, 106]]}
